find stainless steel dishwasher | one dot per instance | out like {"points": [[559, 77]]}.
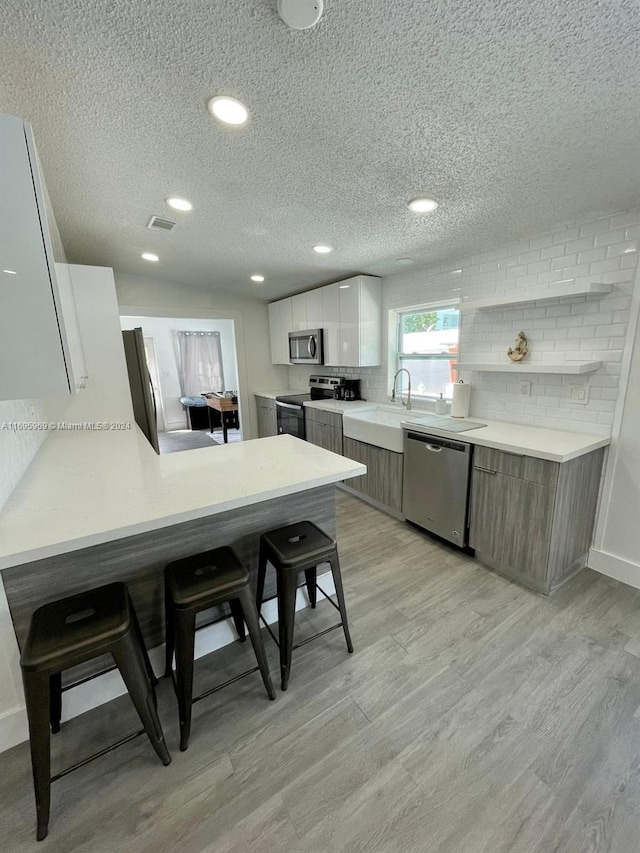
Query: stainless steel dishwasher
{"points": [[436, 485]]}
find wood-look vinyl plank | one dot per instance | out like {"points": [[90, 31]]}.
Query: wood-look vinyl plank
{"points": [[474, 717], [369, 820], [566, 764]]}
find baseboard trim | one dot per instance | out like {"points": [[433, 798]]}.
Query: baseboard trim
{"points": [[104, 688], [615, 567]]}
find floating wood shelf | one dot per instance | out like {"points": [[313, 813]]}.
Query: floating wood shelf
{"points": [[544, 293], [531, 367]]}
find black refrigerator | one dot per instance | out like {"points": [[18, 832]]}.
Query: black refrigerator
{"points": [[142, 396]]}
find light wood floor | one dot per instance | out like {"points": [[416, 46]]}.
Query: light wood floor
{"points": [[474, 717], [185, 439]]}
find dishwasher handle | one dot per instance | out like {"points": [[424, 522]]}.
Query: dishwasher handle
{"points": [[436, 444]]}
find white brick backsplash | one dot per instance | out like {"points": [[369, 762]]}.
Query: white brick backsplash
{"points": [[595, 254], [566, 235], [628, 247], [608, 237], [624, 219], [557, 251], [571, 329]]}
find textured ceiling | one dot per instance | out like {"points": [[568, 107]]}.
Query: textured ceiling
{"points": [[515, 115]]}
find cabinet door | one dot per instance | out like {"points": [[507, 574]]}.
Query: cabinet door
{"points": [[383, 480], [314, 309], [349, 335], [298, 313], [323, 435], [510, 525], [331, 323], [32, 341], [267, 418]]}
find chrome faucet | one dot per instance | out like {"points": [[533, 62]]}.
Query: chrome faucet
{"points": [[393, 393]]}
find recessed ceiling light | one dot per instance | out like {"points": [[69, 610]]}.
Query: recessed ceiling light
{"points": [[149, 256], [422, 205], [228, 110], [257, 278], [345, 286], [405, 262], [10, 272], [179, 203], [323, 250]]}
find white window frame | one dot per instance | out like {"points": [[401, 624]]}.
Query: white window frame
{"points": [[394, 354]]}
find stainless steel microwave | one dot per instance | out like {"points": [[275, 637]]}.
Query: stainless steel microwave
{"points": [[306, 347]]}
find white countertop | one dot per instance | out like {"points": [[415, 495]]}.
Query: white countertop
{"points": [[341, 406], [280, 392], [86, 488], [553, 444]]}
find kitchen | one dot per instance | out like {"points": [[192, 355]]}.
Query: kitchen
{"points": [[515, 257]]}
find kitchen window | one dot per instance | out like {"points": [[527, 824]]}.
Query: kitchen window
{"points": [[427, 346]]}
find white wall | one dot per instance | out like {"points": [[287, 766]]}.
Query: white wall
{"points": [[582, 329], [163, 331], [147, 297], [616, 549]]}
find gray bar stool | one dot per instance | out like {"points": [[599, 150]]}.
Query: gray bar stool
{"points": [[66, 633], [296, 548], [198, 583]]}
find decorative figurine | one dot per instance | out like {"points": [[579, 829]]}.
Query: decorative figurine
{"points": [[521, 349]]}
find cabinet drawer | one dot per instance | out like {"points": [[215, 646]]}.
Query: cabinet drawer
{"points": [[321, 416], [540, 471]]}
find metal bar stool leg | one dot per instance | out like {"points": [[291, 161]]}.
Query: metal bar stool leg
{"points": [[311, 576], [262, 574], [169, 632], [145, 655], [129, 658], [37, 691], [238, 621], [185, 646], [248, 607], [334, 562], [287, 588], [55, 708]]}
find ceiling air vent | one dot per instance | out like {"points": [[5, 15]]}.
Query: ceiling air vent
{"points": [[160, 224]]}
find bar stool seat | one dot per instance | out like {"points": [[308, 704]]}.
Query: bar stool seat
{"points": [[68, 632], [290, 550], [197, 583]]}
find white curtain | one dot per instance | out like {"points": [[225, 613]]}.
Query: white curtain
{"points": [[200, 363]]}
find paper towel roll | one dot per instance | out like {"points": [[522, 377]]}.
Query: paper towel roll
{"points": [[461, 400]]}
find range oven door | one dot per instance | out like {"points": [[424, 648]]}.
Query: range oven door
{"points": [[306, 347], [290, 419]]}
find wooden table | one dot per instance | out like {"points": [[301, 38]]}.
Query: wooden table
{"points": [[228, 413]]}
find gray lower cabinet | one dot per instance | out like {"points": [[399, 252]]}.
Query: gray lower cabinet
{"points": [[267, 418], [532, 519], [383, 480], [324, 429]]}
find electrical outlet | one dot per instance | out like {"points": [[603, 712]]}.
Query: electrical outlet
{"points": [[579, 394], [525, 389]]}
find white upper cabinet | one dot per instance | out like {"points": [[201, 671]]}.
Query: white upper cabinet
{"points": [[34, 355], [298, 313], [350, 314], [358, 340], [314, 308], [41, 352], [331, 323]]}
